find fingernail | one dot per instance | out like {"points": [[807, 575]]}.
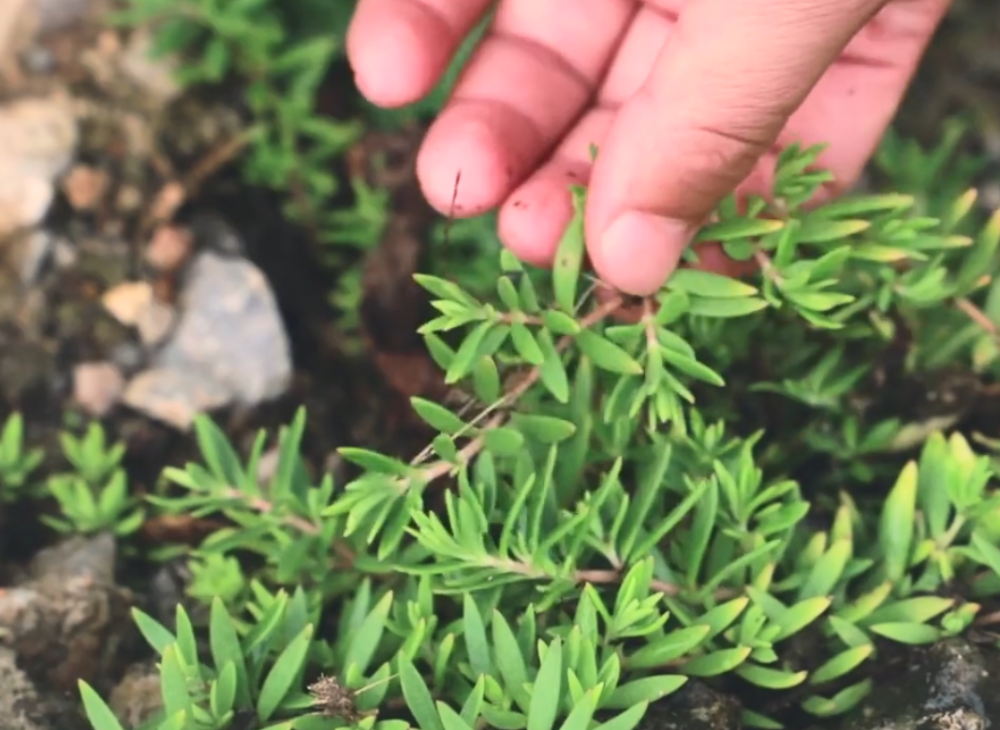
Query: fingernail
{"points": [[640, 250]]}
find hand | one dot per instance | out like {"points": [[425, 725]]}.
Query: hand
{"points": [[686, 100]]}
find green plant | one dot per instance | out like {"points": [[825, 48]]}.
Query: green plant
{"points": [[16, 463], [280, 53], [94, 495], [647, 492]]}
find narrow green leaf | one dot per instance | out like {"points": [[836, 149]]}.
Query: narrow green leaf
{"points": [[283, 675], [437, 416], [710, 285], [626, 720], [725, 308], [418, 697], [645, 690], [896, 526], [908, 633], [451, 720], [365, 641], [547, 692], [98, 713], [717, 662], [569, 257], [474, 631], [769, 678], [607, 355], [224, 644], [840, 664]]}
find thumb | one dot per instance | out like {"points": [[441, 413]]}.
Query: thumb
{"points": [[724, 85]]}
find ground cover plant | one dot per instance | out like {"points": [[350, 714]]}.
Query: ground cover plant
{"points": [[584, 537], [764, 484]]}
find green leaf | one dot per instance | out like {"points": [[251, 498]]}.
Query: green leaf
{"points": [[545, 429], [525, 344], [365, 641], [583, 711], [842, 663], [224, 644], [896, 526], [725, 308], [98, 713], [509, 659], [451, 720], [476, 643], [552, 372], [907, 633], [672, 646], [418, 697], [736, 228], [569, 257], [547, 693], [626, 720], [918, 610], [217, 451], [707, 284], [560, 322], [222, 696], [645, 690], [173, 683], [607, 355], [717, 662], [503, 440], [155, 633], [286, 671], [437, 416], [840, 703], [801, 615], [771, 678], [467, 354]]}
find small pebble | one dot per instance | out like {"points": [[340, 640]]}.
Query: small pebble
{"points": [[169, 248], [97, 387], [85, 187]]}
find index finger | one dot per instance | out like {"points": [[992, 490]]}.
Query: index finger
{"points": [[399, 49]]}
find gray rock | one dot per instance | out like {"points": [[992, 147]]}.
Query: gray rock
{"points": [[229, 345], [949, 686], [696, 706], [22, 707], [67, 620]]}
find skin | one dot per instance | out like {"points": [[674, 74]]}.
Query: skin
{"points": [[687, 100]]}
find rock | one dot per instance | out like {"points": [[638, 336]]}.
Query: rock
{"points": [[174, 396], [169, 248], [97, 387], [19, 22], [126, 301], [86, 187], [38, 137], [137, 698], [67, 620], [23, 707], [155, 76], [229, 345], [19, 702], [948, 686], [696, 706]]}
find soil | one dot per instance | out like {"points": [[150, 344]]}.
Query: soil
{"points": [[134, 148]]}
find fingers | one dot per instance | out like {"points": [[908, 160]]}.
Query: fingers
{"points": [[526, 84], [400, 48], [857, 98], [719, 93], [533, 218]]}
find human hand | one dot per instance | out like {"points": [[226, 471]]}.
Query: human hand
{"points": [[686, 100]]}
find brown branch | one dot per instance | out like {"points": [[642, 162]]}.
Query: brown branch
{"points": [[520, 385], [979, 317]]}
